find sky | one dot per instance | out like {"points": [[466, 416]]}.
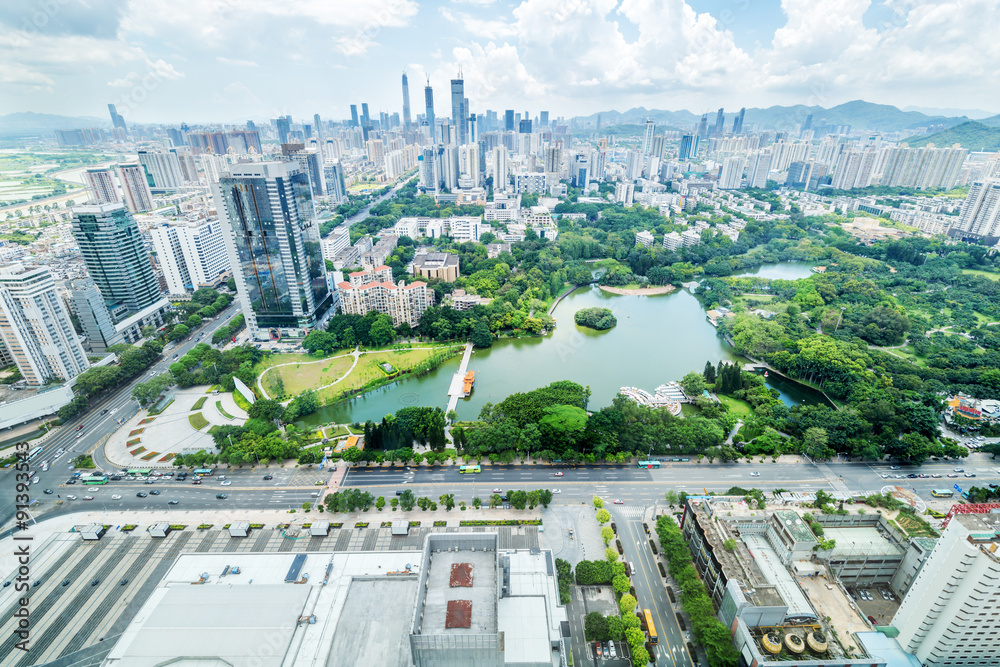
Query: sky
{"points": [[201, 61]]}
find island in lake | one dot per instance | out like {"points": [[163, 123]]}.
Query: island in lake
{"points": [[595, 318]]}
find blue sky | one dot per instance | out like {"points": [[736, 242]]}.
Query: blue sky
{"points": [[232, 60]]}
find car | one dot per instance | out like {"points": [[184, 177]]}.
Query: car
{"points": [[559, 474], [923, 476], [497, 490], [952, 475], [268, 477], [79, 433], [175, 356], [992, 486], [115, 478], [959, 470], [104, 411], [319, 482], [95, 582], [912, 475], [936, 476], [150, 481], [556, 490], [172, 502], [607, 652], [872, 620], [893, 467], [88, 497], [154, 493], [123, 581], [47, 492], [885, 475], [70, 497], [221, 496], [853, 596], [611, 645], [226, 483], [80, 427], [140, 495], [970, 474], [71, 481], [116, 497], [221, 477], [196, 481], [619, 501], [65, 582], [597, 649], [755, 474]]}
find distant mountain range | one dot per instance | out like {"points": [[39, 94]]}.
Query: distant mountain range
{"points": [[860, 115], [983, 135], [29, 120]]}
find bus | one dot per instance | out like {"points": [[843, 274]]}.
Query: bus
{"points": [[204, 472], [34, 453], [139, 471], [468, 469], [649, 464], [650, 628], [942, 493], [94, 479]]}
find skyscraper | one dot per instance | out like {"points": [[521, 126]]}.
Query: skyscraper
{"points": [[738, 121], [689, 147], [319, 128], [508, 118], [807, 125], [101, 186], [406, 102], [458, 111], [980, 214], [758, 168], [543, 120], [703, 127], [647, 136], [116, 118], [284, 125], [35, 326], [274, 248], [498, 168], [94, 317], [720, 122], [366, 119], [135, 187], [115, 255], [354, 117], [732, 172], [429, 111]]}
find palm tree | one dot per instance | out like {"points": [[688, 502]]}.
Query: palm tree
{"points": [[494, 501]]}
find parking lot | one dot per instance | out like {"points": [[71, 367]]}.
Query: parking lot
{"points": [[874, 604]]}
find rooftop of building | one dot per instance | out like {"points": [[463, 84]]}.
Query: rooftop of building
{"points": [[856, 540], [795, 525], [435, 259], [461, 595]]}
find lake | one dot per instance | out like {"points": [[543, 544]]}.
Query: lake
{"points": [[658, 339]]}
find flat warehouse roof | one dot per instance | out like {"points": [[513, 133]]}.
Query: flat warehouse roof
{"points": [[860, 541], [374, 628]]}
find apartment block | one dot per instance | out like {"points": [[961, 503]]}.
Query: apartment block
{"points": [[369, 290]]}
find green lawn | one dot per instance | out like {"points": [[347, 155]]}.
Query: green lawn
{"points": [[200, 402], [198, 421], [304, 373], [241, 402], [984, 274], [736, 406], [218, 406], [368, 370]]}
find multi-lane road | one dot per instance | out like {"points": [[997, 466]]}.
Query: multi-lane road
{"points": [[102, 420]]}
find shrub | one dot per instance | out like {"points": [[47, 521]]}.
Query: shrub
{"points": [[198, 421]]}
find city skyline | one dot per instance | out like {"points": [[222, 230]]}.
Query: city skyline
{"points": [[578, 59]]}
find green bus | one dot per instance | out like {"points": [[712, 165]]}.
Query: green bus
{"points": [[469, 469], [942, 493], [94, 479], [139, 471]]}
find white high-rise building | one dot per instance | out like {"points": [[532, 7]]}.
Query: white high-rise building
{"points": [[468, 158], [624, 192], [191, 253], [498, 168], [36, 328], [647, 136], [758, 169], [950, 615], [980, 214], [101, 186], [135, 189], [633, 165], [163, 168], [732, 173], [854, 169]]}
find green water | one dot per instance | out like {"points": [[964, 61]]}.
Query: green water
{"points": [[658, 339]]}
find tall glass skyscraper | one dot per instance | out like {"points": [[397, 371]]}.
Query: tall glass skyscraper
{"points": [[116, 256], [429, 110], [458, 111], [274, 249]]}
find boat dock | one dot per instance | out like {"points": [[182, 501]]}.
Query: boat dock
{"points": [[462, 381]]}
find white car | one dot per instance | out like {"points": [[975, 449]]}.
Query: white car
{"points": [[70, 497], [116, 497], [618, 501], [226, 483], [556, 490], [88, 497], [755, 474], [885, 475]]}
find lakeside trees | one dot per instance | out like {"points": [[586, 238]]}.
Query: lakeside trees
{"points": [[595, 318]]}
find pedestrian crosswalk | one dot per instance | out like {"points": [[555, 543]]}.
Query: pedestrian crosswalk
{"points": [[630, 512]]}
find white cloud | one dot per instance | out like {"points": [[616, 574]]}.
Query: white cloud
{"points": [[236, 62]]}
